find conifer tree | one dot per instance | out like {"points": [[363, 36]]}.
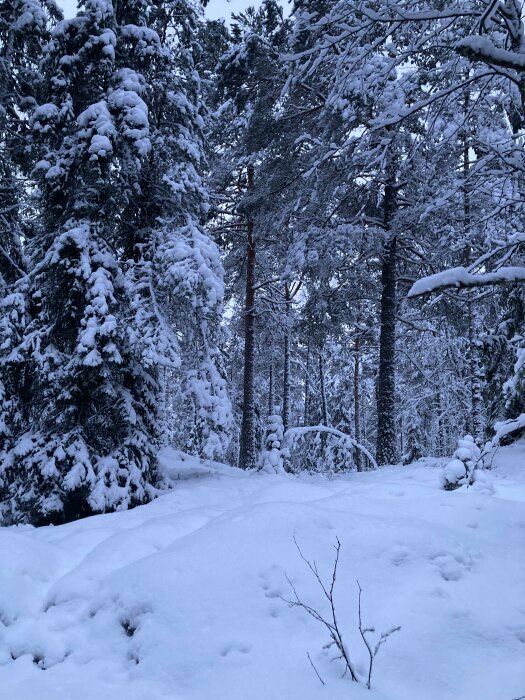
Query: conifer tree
{"points": [[249, 77], [24, 27], [176, 267], [123, 280]]}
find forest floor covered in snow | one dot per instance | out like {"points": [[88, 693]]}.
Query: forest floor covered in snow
{"points": [[182, 598]]}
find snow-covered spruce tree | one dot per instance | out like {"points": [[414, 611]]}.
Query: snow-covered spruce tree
{"points": [[503, 356], [413, 450], [79, 452], [271, 458], [177, 271], [24, 26], [99, 335]]}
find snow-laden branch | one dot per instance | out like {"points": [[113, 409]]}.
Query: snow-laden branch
{"points": [[461, 278], [293, 434], [481, 48], [507, 427], [501, 430]]}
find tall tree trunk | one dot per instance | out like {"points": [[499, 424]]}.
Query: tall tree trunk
{"points": [[286, 374], [307, 386], [386, 384], [476, 411], [324, 405], [441, 437], [247, 456], [476, 398], [271, 400], [357, 426]]}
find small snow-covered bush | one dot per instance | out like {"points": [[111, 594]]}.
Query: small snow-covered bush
{"points": [[322, 449], [414, 447], [271, 457], [460, 470]]}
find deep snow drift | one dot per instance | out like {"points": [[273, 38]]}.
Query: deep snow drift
{"points": [[180, 599]]}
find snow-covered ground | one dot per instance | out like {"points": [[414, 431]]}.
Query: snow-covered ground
{"points": [[180, 599]]}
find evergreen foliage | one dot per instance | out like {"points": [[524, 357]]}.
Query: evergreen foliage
{"points": [[124, 285]]}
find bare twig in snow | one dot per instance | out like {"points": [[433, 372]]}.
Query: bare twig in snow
{"points": [[314, 668], [331, 622], [363, 631]]}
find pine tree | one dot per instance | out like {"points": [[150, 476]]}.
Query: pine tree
{"points": [[249, 81]]}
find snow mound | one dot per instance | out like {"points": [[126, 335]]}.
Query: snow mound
{"points": [[182, 599]]}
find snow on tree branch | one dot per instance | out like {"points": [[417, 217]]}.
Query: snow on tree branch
{"points": [[461, 278], [481, 48]]}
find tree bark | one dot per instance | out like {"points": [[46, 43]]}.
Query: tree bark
{"points": [[476, 410], [324, 405], [286, 374], [357, 426], [271, 400], [307, 387], [247, 456], [386, 384], [441, 437], [476, 398]]}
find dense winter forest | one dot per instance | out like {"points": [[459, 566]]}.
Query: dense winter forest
{"points": [[285, 242], [262, 350]]}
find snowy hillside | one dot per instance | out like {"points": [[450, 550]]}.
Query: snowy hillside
{"points": [[180, 599]]}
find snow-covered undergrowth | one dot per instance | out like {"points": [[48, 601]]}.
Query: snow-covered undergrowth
{"points": [[180, 599]]}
